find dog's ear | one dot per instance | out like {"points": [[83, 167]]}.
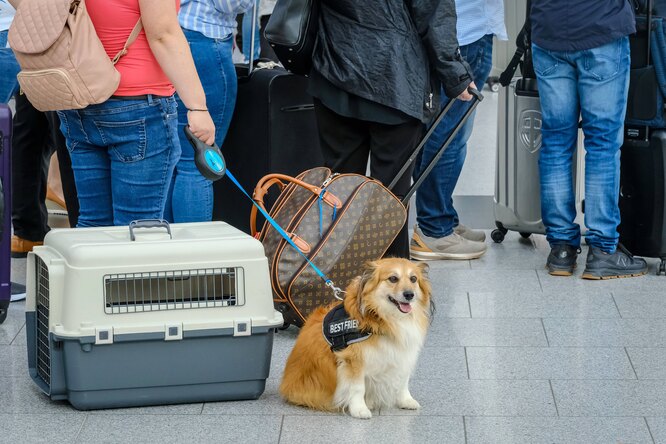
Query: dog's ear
{"points": [[356, 288], [424, 267]]}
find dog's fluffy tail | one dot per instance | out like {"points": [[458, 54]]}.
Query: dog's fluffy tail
{"points": [[310, 374]]}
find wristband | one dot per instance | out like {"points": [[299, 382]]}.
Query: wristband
{"points": [[197, 109]]}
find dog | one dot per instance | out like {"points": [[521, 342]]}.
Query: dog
{"points": [[363, 361]]}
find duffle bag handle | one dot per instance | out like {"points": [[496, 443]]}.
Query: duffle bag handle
{"points": [[266, 182]]}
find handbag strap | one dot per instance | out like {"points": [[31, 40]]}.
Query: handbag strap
{"points": [[132, 37], [329, 283]]}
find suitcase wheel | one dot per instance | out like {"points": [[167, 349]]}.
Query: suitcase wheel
{"points": [[284, 326], [525, 235], [497, 235], [662, 267]]}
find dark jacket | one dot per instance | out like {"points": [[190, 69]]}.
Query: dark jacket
{"points": [[392, 52], [573, 25]]}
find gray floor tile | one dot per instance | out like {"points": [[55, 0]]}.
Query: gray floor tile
{"points": [[378, 430], [480, 398], [270, 403], [556, 430], [576, 285], [486, 332], [18, 394], [449, 305], [649, 363], [163, 410], [515, 253], [610, 398], [441, 363], [180, 429], [634, 304], [48, 429], [13, 361], [13, 323], [658, 429], [459, 281], [606, 332], [548, 363], [541, 305]]}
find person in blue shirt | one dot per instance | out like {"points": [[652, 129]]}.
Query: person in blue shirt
{"points": [[581, 58], [208, 26], [438, 233]]}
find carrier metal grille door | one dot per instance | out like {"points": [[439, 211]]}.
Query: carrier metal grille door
{"points": [[42, 334], [173, 290]]}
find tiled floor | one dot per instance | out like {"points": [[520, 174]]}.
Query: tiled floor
{"points": [[513, 356]]}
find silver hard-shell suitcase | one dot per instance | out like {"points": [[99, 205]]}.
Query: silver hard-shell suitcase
{"points": [[517, 202]]}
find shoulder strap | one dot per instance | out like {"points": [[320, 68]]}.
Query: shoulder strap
{"points": [[133, 35], [523, 43]]}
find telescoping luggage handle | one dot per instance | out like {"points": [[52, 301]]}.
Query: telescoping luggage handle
{"points": [[477, 97]]}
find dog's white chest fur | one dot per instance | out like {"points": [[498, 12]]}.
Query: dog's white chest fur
{"points": [[387, 367]]}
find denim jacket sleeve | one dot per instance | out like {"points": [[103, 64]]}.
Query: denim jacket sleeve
{"points": [[435, 21]]}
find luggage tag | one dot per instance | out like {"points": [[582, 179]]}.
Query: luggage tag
{"points": [[207, 158]]}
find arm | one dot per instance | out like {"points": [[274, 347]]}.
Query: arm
{"points": [[14, 3], [170, 48], [435, 22]]}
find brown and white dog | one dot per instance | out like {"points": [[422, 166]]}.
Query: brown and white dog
{"points": [[391, 301]]}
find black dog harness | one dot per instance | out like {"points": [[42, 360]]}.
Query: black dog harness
{"points": [[340, 329]]}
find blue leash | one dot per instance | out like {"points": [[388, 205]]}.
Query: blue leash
{"points": [[329, 283]]}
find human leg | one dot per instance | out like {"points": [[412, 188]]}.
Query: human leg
{"points": [[31, 152], [436, 214], [9, 67], [247, 33], [191, 195]]}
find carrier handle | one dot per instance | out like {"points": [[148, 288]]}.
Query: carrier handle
{"points": [[269, 180], [148, 223]]}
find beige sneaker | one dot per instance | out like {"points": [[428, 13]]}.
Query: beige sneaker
{"points": [[469, 234], [453, 246]]}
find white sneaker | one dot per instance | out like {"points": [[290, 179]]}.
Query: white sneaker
{"points": [[453, 246], [17, 297], [469, 234]]}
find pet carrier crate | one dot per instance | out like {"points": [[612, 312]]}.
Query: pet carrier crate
{"points": [[120, 317]]}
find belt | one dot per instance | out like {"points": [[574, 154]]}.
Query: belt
{"points": [[140, 97]]}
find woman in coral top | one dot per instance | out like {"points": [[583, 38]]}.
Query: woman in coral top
{"points": [[125, 149]]}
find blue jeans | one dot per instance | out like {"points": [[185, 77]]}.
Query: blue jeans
{"points": [[435, 213], [247, 30], [123, 154], [191, 194], [591, 84], [8, 70]]}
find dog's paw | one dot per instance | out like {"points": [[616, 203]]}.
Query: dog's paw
{"points": [[409, 404], [361, 412]]}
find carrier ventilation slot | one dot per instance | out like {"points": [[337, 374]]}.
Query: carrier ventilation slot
{"points": [[173, 290], [42, 310]]}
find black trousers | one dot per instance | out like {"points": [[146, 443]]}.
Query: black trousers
{"points": [[36, 135], [347, 144]]}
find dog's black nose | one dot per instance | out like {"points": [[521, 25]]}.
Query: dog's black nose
{"points": [[408, 295]]}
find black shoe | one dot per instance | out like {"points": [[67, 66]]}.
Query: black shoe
{"points": [[562, 260], [621, 264]]}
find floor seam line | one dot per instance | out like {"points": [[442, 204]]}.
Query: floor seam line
{"points": [[281, 428], [466, 362], [469, 305], [78, 434], [612, 295], [649, 430], [552, 393], [544, 332], [464, 429], [631, 362]]}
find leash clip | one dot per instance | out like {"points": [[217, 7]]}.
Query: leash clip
{"points": [[337, 291]]}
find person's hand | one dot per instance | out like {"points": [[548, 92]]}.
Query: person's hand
{"points": [[202, 126], [465, 96]]}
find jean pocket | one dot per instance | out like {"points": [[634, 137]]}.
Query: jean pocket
{"points": [[544, 63], [604, 62], [127, 140]]}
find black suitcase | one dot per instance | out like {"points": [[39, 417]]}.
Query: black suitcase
{"points": [[5, 209], [273, 130], [643, 194]]}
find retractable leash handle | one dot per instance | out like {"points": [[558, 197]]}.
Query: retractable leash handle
{"points": [[207, 158]]}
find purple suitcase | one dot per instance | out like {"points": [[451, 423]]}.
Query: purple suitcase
{"points": [[5, 209]]}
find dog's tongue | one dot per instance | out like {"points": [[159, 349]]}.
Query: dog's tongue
{"points": [[404, 307]]}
